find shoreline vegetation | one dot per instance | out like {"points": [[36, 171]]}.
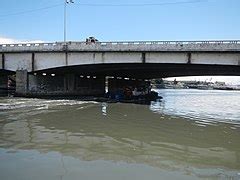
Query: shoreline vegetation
{"points": [[203, 85]]}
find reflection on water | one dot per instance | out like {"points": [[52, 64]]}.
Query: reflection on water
{"points": [[171, 139], [200, 105]]}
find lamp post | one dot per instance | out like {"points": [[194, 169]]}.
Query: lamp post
{"points": [[65, 18]]}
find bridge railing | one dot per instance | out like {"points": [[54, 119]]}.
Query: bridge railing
{"points": [[217, 42], [124, 45], [171, 42]]}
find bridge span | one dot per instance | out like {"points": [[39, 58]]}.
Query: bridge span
{"points": [[56, 67]]}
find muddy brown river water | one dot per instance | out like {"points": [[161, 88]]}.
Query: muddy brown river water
{"points": [[190, 134]]}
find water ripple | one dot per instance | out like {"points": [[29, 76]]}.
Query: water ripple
{"points": [[200, 105]]}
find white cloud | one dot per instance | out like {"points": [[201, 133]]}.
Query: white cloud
{"points": [[4, 40]]}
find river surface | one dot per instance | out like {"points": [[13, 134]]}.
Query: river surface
{"points": [[190, 134]]}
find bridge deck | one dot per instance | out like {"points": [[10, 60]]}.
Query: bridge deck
{"points": [[134, 46]]}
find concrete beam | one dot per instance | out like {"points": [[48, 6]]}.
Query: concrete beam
{"points": [[33, 62], [103, 58], [157, 57], [49, 60], [216, 58], [21, 61]]}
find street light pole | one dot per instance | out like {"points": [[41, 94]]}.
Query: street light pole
{"points": [[65, 19]]}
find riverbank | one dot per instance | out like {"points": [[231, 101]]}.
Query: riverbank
{"points": [[203, 85]]}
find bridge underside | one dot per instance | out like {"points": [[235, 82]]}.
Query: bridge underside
{"points": [[84, 80], [147, 71]]}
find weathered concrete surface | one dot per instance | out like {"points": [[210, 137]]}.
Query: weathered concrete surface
{"points": [[65, 85], [216, 58], [50, 60], [15, 62], [44, 61], [39, 84], [103, 58], [21, 82], [166, 58]]}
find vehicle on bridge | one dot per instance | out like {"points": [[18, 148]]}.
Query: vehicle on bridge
{"points": [[91, 40]]}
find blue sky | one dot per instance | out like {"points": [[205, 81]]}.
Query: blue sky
{"points": [[181, 20], [204, 19]]}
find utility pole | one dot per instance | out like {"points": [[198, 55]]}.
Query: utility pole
{"points": [[65, 18]]}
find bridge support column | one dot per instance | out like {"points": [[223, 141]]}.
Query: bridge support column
{"points": [[21, 82]]}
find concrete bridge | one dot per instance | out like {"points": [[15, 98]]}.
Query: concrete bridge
{"points": [[81, 68]]}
